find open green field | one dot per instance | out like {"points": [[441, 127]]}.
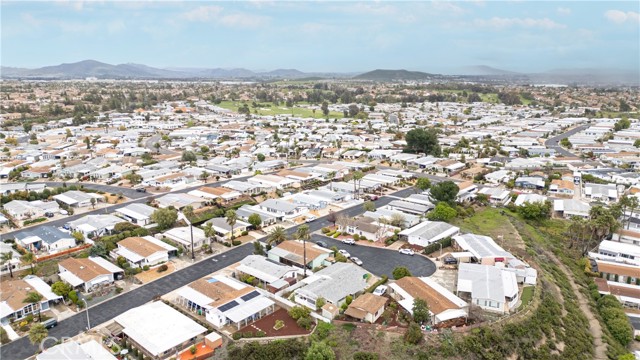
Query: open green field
{"points": [[488, 221], [268, 108]]}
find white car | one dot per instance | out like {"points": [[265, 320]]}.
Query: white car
{"points": [[356, 260], [349, 241], [406, 252], [310, 218], [380, 290], [345, 253]]}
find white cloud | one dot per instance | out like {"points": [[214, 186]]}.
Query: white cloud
{"points": [[447, 7], [620, 17], [366, 8], [563, 11], [244, 20], [203, 13], [502, 23], [116, 26]]}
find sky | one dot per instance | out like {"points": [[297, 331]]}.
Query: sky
{"points": [[325, 36]]}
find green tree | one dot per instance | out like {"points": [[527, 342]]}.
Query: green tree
{"points": [[61, 288], [37, 334], [6, 257], [325, 108], [255, 220], [98, 249], [78, 237], [277, 235], [157, 147], [257, 248], [442, 212], [164, 218], [423, 184], [566, 143], [356, 177], [420, 311], [303, 233], [189, 156], [400, 272], [446, 191], [232, 218], [422, 141], [369, 206], [298, 312], [188, 212], [29, 259], [536, 210], [209, 231], [320, 303], [34, 298], [413, 335], [133, 178], [260, 157], [637, 143], [319, 350]]}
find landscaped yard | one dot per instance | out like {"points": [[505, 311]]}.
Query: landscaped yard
{"points": [[526, 297], [266, 324], [152, 274], [489, 221]]}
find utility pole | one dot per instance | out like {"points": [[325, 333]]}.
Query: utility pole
{"points": [[87, 305], [181, 216]]}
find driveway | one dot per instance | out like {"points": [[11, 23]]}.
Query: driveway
{"points": [[554, 142], [380, 261]]}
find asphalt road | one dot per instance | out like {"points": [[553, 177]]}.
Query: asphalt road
{"points": [[382, 261], [554, 142], [22, 348], [157, 139], [111, 189]]}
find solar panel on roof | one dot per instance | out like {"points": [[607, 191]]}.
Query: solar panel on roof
{"points": [[250, 295], [228, 306]]}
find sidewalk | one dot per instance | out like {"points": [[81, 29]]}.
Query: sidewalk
{"points": [[10, 333]]}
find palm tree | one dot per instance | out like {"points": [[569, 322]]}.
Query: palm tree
{"points": [[357, 176], [6, 258], [34, 298], [209, 231], [277, 235], [232, 218], [188, 212], [304, 234], [37, 334], [28, 259]]}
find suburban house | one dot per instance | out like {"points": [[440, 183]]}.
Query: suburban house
{"points": [[333, 284], [482, 248], [144, 251], [182, 235], [530, 182], [291, 253], [158, 330], [467, 191], [22, 210], [367, 228], [529, 198], [273, 275], [367, 307], [45, 238], [223, 229], [443, 305], [225, 301], [562, 187], [11, 188], [12, 305], [272, 181], [428, 232], [602, 192], [135, 213], [243, 187], [89, 273], [497, 196], [282, 210], [409, 207], [95, 225], [179, 201], [620, 273], [618, 252], [221, 194], [90, 350], [247, 210], [489, 287], [566, 208], [78, 199]]}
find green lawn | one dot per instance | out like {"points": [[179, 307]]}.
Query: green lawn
{"points": [[486, 221], [526, 297], [270, 109]]}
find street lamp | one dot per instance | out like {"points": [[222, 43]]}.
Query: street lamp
{"points": [[87, 306]]}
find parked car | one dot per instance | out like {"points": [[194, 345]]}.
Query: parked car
{"points": [[349, 241], [345, 253], [380, 290], [64, 212], [450, 260], [49, 214], [49, 324], [356, 260], [322, 244], [142, 190], [406, 252], [310, 218]]}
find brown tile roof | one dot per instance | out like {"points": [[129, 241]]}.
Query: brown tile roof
{"points": [[14, 292], [218, 291], [420, 290], [293, 173], [140, 246], [296, 248], [364, 304], [632, 292], [609, 268], [85, 269], [563, 184]]}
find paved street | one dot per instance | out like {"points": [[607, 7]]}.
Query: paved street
{"points": [[128, 192], [106, 311], [554, 142]]}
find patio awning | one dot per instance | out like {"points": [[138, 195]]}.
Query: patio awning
{"points": [[115, 329], [248, 309], [71, 278], [195, 297]]}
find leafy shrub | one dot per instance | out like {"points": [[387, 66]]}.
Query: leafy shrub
{"points": [[227, 244], [382, 280], [305, 322], [119, 290], [325, 230], [145, 268], [244, 233], [298, 312], [163, 268], [34, 221], [237, 336], [236, 242], [362, 355]]}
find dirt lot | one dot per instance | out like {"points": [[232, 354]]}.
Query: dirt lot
{"points": [[266, 324], [152, 274]]}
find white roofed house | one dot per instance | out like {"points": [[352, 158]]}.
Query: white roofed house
{"points": [[144, 251], [78, 199], [489, 287], [283, 210], [618, 252], [483, 248], [135, 213], [158, 330], [443, 304], [21, 210], [225, 301], [529, 198], [497, 195], [223, 229], [333, 283], [602, 192], [45, 238], [182, 235], [367, 228], [273, 181], [88, 273], [95, 225], [567, 208], [273, 275], [12, 305], [71, 350], [428, 232], [179, 201]]}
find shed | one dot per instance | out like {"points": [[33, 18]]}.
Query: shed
{"points": [[213, 340]]}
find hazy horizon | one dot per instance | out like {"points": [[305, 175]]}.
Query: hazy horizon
{"points": [[345, 37]]}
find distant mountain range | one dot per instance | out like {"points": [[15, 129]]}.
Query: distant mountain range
{"points": [[479, 73]]}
